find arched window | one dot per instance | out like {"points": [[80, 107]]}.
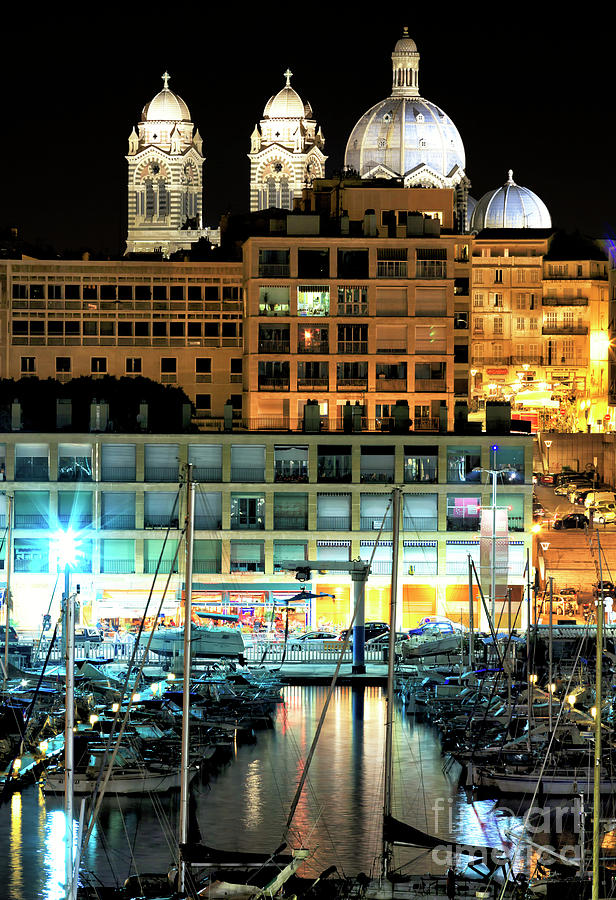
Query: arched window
{"points": [[163, 198], [285, 200], [271, 192], [150, 199]]}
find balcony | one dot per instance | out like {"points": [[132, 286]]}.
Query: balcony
{"points": [[207, 473], [291, 471], [246, 565], [333, 523], [207, 523], [247, 476], [274, 347], [30, 520], [117, 566], [565, 301], [247, 523], [161, 474], [430, 385], [390, 384], [373, 523], [377, 476], [273, 384], [274, 270], [516, 523], [73, 522], [158, 521], [312, 384], [119, 473], [420, 523], [391, 268], [463, 523], [564, 329], [381, 567], [352, 309], [26, 470], [290, 523], [70, 469], [353, 347], [353, 384], [429, 423], [206, 566], [313, 347], [430, 269], [166, 566], [119, 523]]}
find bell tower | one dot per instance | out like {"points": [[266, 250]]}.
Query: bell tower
{"points": [[165, 187]]}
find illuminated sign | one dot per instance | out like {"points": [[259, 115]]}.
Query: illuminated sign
{"points": [[496, 371]]}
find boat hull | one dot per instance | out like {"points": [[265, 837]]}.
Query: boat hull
{"points": [[564, 785], [134, 782], [205, 642]]}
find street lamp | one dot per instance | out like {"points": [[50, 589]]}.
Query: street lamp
{"points": [[548, 444]]}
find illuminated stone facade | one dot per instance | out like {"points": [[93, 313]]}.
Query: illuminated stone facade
{"points": [[165, 180], [286, 151]]}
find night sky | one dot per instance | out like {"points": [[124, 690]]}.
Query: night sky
{"points": [[525, 93]]}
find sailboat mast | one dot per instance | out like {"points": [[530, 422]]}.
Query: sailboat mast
{"points": [[184, 780], [7, 592], [596, 807], [389, 706]]}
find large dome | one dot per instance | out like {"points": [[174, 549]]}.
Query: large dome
{"points": [[287, 103], [166, 107], [406, 136], [510, 206]]}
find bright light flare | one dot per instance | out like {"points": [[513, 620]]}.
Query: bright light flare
{"points": [[67, 544]]}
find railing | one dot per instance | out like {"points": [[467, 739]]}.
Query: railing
{"points": [[207, 523], [206, 566], [161, 473], [328, 654], [312, 384], [354, 347], [118, 523], [291, 472], [251, 475], [274, 384], [429, 385], [516, 523], [31, 472], [463, 523], [325, 424], [164, 521], [313, 347], [239, 523], [272, 270], [166, 565], [420, 568], [432, 478], [290, 523], [430, 269], [72, 521], [564, 329], [352, 309], [380, 567], [390, 384], [427, 424], [420, 523], [457, 568], [246, 565], [333, 523], [274, 347], [353, 383], [117, 566], [373, 523], [207, 473], [118, 473], [384, 476], [565, 301], [31, 520], [391, 268]]}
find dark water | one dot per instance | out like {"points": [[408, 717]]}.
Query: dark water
{"points": [[246, 806]]}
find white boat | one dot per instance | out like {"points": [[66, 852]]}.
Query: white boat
{"points": [[128, 776], [207, 641], [564, 783]]}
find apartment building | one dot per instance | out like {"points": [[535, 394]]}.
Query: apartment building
{"points": [[540, 315], [368, 306], [261, 498]]}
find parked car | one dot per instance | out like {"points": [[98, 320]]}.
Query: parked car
{"points": [[604, 513], [563, 489], [547, 478], [594, 498], [578, 494], [609, 590], [538, 510], [437, 625], [573, 520], [382, 641], [373, 629], [13, 636], [312, 639]]}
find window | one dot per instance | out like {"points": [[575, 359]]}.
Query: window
{"points": [[313, 263], [63, 364], [353, 264], [478, 300], [274, 263], [313, 301], [247, 512], [478, 325], [496, 299], [498, 325], [520, 301], [273, 301], [133, 365], [168, 364], [28, 365], [98, 365], [519, 323], [203, 402], [498, 276], [203, 365], [463, 464], [236, 366]]}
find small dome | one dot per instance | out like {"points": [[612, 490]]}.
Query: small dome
{"points": [[406, 44], [510, 206], [471, 205], [287, 103], [166, 107]]}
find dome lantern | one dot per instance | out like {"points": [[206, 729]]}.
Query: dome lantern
{"points": [[405, 61]]}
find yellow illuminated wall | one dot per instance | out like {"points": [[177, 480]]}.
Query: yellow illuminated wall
{"points": [[418, 600]]}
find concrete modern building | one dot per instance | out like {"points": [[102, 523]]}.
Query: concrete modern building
{"points": [[261, 498]]}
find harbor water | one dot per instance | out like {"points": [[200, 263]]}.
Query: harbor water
{"points": [[246, 805]]}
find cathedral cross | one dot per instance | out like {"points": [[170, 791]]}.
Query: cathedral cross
{"points": [[165, 79], [287, 75]]}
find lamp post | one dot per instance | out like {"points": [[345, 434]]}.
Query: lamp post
{"points": [[548, 444]]}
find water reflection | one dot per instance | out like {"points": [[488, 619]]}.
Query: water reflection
{"points": [[339, 814]]}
